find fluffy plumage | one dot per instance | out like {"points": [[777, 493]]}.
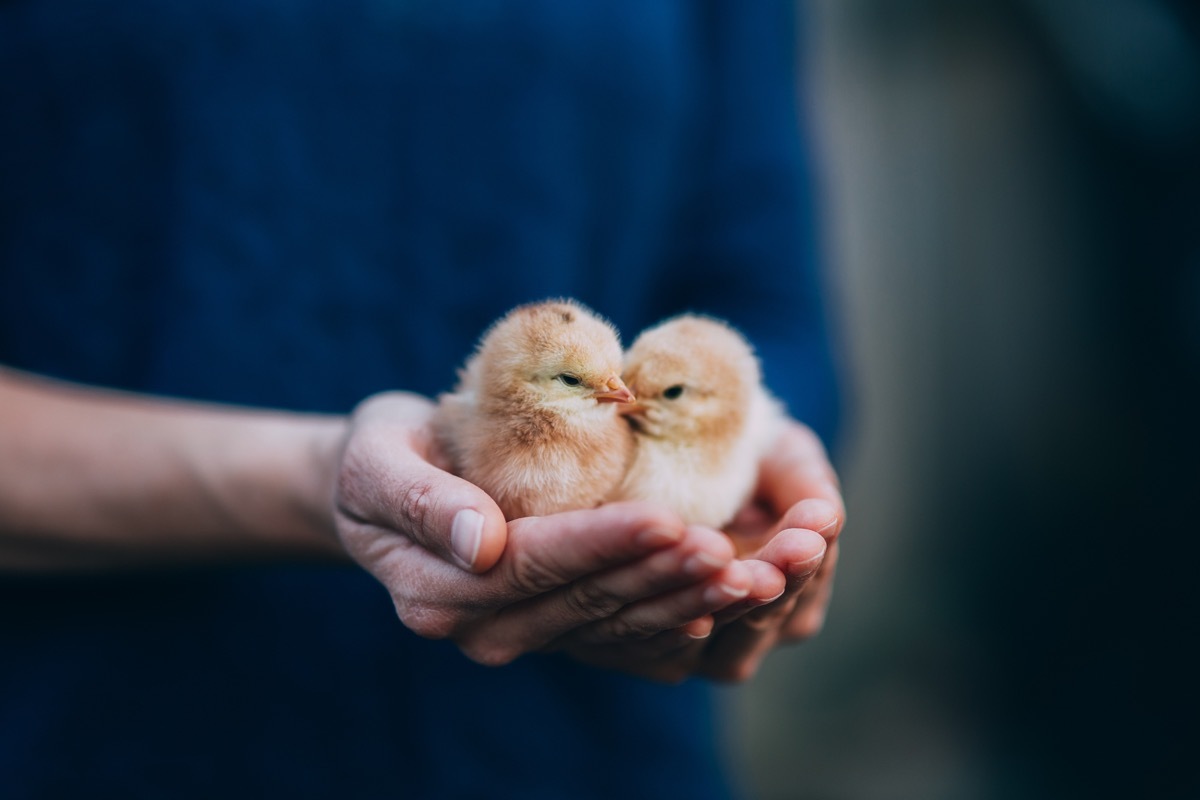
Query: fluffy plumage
{"points": [[533, 420], [702, 420]]}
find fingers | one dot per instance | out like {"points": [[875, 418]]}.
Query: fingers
{"points": [[798, 479], [737, 653], [451, 517], [797, 488], [797, 552], [782, 568], [809, 561], [436, 599], [587, 567], [812, 514], [768, 584], [690, 587], [748, 634], [798, 468], [547, 553], [394, 488], [385, 479], [679, 609], [798, 555], [808, 617]]}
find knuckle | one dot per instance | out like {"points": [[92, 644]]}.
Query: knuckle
{"points": [[416, 503], [590, 600], [531, 575], [487, 652], [428, 623], [624, 627]]}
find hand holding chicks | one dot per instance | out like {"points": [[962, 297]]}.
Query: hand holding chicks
{"points": [[543, 420]]}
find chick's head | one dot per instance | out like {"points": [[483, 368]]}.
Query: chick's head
{"points": [[694, 378], [556, 354]]}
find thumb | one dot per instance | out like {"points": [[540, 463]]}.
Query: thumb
{"points": [[451, 517], [446, 515]]}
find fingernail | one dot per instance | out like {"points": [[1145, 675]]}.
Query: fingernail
{"points": [[833, 521], [806, 567], [822, 509], [658, 537], [698, 629], [702, 563], [772, 599], [723, 593], [466, 534]]}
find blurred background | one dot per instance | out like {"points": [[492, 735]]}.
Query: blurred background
{"points": [[1012, 227]]}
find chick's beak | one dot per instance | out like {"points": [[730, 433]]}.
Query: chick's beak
{"points": [[614, 391], [634, 409]]}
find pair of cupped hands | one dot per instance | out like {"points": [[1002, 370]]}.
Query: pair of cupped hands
{"points": [[625, 586]]}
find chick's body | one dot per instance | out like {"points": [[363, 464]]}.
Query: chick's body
{"points": [[702, 421], [533, 420]]}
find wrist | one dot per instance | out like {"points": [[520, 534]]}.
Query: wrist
{"points": [[309, 450], [317, 502]]}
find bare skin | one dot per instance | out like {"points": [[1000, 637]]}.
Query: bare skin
{"points": [[787, 537], [94, 480]]}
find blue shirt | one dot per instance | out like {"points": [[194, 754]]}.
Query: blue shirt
{"points": [[297, 204]]}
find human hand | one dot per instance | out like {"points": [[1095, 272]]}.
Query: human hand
{"points": [[787, 540], [793, 525], [454, 569]]}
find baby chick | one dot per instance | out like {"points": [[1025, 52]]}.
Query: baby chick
{"points": [[533, 420], [701, 422]]}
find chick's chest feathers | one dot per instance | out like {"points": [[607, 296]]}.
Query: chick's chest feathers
{"points": [[704, 480], [673, 475], [541, 462]]}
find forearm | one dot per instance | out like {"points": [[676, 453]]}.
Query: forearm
{"points": [[91, 478]]}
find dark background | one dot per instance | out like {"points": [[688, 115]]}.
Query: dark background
{"points": [[1012, 225]]}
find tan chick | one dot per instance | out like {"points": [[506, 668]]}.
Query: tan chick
{"points": [[533, 420], [702, 419]]}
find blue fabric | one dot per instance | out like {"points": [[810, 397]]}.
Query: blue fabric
{"points": [[297, 204]]}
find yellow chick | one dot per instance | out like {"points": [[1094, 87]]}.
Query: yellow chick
{"points": [[533, 420], [701, 422]]}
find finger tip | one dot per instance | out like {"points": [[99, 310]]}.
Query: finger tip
{"points": [[715, 541], [490, 551], [799, 552], [739, 577], [769, 586], [811, 542], [700, 628], [815, 514], [478, 537]]}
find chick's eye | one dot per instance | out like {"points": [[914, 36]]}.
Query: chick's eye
{"points": [[673, 392], [569, 379]]}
